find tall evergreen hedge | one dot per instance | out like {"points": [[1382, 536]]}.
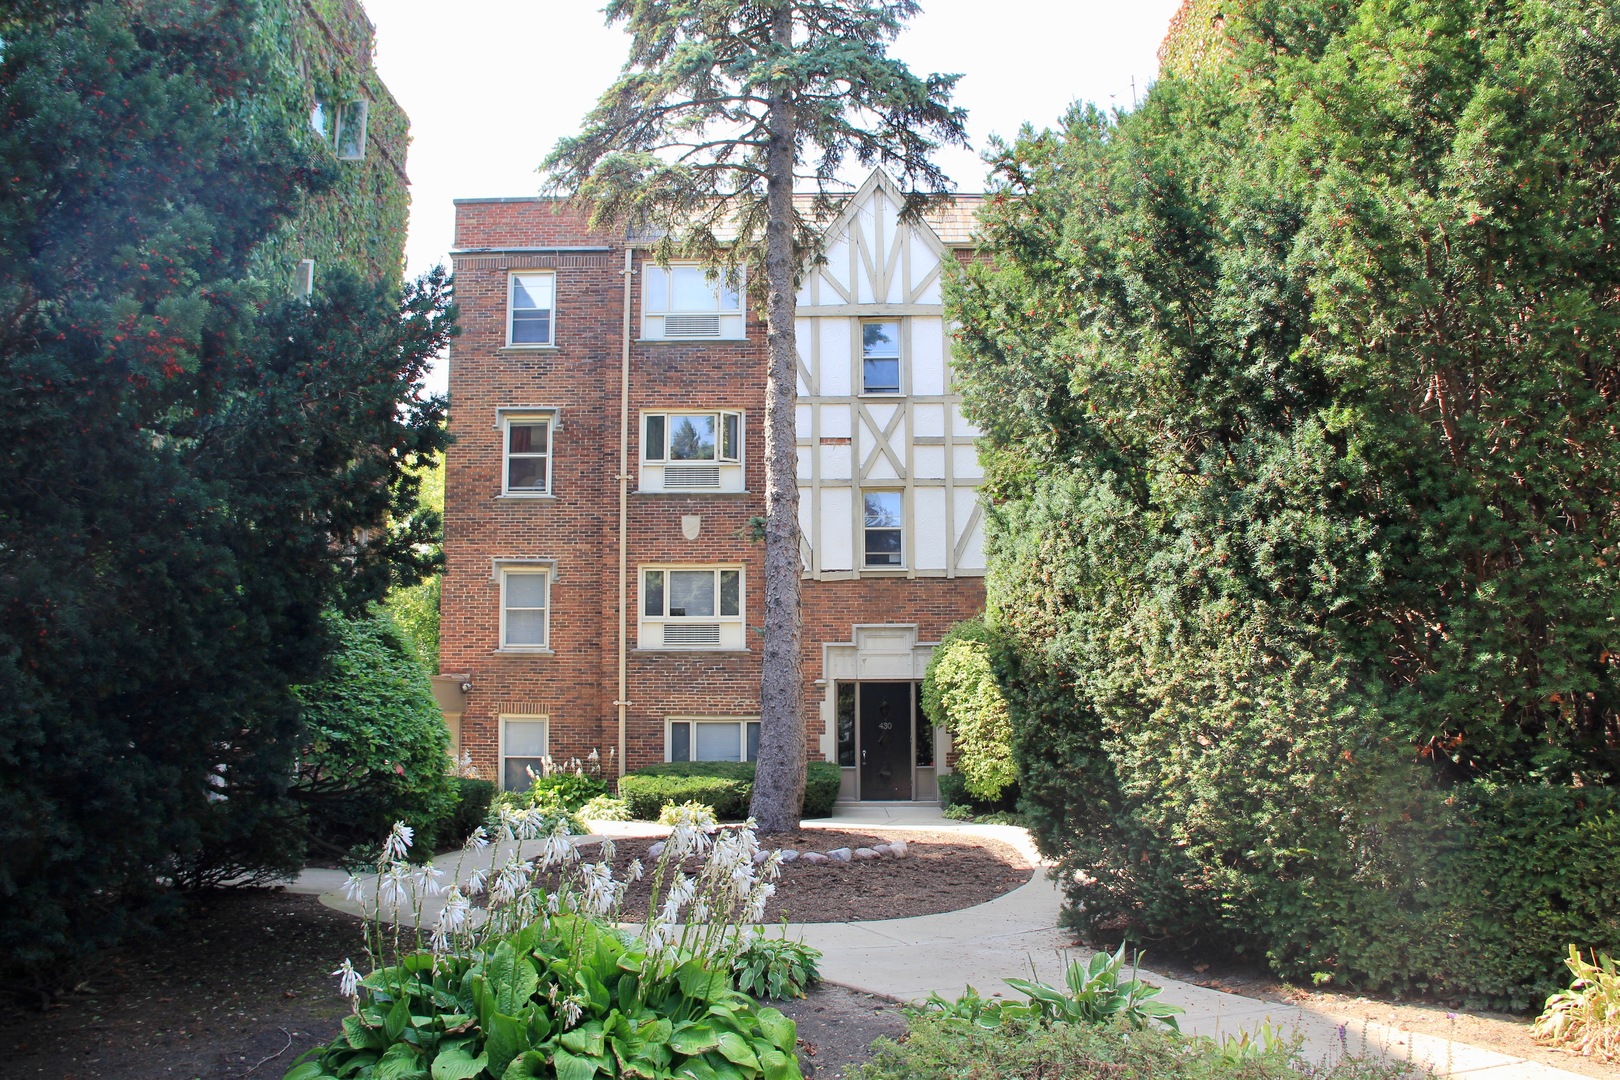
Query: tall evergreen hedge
{"points": [[1300, 394]]}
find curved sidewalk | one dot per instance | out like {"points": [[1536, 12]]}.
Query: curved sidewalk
{"points": [[1017, 934]]}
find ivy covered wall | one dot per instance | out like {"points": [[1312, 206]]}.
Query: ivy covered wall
{"points": [[323, 48]]}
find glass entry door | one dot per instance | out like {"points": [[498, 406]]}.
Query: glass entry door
{"points": [[885, 740]]}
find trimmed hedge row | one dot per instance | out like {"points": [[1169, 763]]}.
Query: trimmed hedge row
{"points": [[724, 786]]}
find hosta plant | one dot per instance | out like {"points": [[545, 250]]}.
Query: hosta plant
{"points": [[1096, 994], [778, 968], [1586, 1017], [504, 968]]}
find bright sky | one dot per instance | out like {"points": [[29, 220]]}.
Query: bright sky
{"points": [[490, 85]]}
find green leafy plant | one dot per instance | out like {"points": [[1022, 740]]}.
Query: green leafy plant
{"points": [[1586, 1017], [605, 808], [943, 1046], [1094, 993], [565, 790], [537, 980], [775, 967]]}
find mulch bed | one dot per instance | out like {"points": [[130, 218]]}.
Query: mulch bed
{"points": [[943, 871], [240, 987]]}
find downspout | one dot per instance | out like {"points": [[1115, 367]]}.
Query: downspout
{"points": [[623, 701]]}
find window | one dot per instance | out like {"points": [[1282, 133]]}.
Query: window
{"points": [[691, 607], [684, 303], [880, 358], [883, 528], [844, 708], [529, 307], [351, 131], [925, 730], [691, 451], [528, 455], [523, 750], [344, 126], [304, 279], [525, 608], [713, 740]]}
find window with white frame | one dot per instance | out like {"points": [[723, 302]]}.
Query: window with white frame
{"points": [[525, 607], [530, 303], [682, 302], [527, 449], [691, 607], [883, 530], [708, 739], [880, 357], [691, 451], [523, 750]]}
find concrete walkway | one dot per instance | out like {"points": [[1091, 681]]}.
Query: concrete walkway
{"points": [[1018, 933]]}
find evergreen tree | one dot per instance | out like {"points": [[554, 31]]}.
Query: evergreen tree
{"points": [[199, 466], [718, 108]]}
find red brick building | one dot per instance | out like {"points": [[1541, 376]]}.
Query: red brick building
{"points": [[602, 590]]}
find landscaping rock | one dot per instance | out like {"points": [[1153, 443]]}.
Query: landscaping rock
{"points": [[884, 850], [788, 854], [655, 851], [866, 853], [760, 856], [839, 854], [898, 847], [814, 858]]}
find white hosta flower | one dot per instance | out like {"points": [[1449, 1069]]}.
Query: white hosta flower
{"points": [[478, 840], [510, 880], [354, 890], [476, 879], [671, 910], [634, 872], [560, 848], [700, 912], [683, 888], [456, 910], [757, 901], [609, 849], [391, 889], [553, 903], [772, 870], [348, 979], [572, 1008], [742, 880], [600, 889], [428, 879], [399, 841], [439, 939], [659, 937]]}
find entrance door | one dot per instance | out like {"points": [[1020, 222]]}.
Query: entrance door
{"points": [[885, 723]]}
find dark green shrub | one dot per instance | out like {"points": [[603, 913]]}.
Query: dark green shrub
{"points": [[376, 750], [646, 793], [723, 786], [475, 797], [1309, 651], [775, 967], [953, 793], [821, 786]]}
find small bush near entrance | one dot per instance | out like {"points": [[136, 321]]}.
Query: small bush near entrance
{"points": [[723, 786]]}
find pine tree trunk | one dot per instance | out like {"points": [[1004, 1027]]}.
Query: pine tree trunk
{"points": [[779, 782]]}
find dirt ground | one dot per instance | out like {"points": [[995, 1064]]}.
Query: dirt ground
{"points": [[241, 988], [1501, 1032], [943, 871]]}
